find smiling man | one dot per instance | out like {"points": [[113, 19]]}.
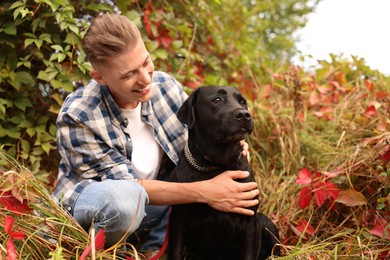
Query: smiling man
{"points": [[119, 139]]}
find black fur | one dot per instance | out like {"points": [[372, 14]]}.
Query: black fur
{"points": [[217, 118]]}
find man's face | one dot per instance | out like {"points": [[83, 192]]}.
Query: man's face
{"points": [[128, 76]]}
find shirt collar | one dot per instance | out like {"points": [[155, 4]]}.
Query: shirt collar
{"points": [[115, 111]]}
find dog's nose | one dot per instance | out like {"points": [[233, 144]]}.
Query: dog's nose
{"points": [[243, 115]]}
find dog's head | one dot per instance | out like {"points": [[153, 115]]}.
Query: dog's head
{"points": [[216, 115]]}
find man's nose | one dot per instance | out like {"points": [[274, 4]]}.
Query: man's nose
{"points": [[145, 76]]}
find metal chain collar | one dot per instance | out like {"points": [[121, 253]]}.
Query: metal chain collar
{"points": [[193, 162]]}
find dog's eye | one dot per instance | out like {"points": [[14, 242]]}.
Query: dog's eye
{"points": [[217, 100], [243, 102]]}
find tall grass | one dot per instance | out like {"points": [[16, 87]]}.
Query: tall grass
{"points": [[290, 134], [336, 124]]}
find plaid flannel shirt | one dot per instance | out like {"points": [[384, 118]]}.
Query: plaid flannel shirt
{"points": [[92, 142]]}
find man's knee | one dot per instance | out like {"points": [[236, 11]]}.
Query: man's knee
{"points": [[117, 206]]}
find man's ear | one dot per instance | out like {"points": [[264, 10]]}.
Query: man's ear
{"points": [[97, 77], [186, 113]]}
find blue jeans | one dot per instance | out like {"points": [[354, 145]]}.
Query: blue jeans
{"points": [[120, 208]]}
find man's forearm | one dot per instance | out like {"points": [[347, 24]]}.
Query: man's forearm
{"points": [[222, 192], [171, 193]]}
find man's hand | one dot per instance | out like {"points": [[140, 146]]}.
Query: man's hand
{"points": [[245, 149], [223, 193]]}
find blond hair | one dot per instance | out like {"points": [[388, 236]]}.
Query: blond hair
{"points": [[108, 36]]}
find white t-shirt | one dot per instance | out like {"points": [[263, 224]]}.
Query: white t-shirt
{"points": [[147, 153]]}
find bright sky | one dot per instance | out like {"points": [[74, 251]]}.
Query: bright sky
{"points": [[349, 27]]}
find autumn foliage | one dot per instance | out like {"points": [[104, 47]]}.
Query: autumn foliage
{"points": [[320, 147]]}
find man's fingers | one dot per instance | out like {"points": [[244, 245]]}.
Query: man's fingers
{"points": [[247, 186], [249, 194], [237, 174], [243, 211]]}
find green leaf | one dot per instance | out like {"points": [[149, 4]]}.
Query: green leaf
{"points": [[25, 124], [22, 103], [10, 132], [10, 28], [47, 147], [61, 57], [38, 43], [54, 56], [25, 77], [151, 45], [16, 4], [17, 12], [15, 83], [57, 47], [25, 145], [43, 75], [28, 42], [31, 131], [177, 44], [65, 85], [74, 28], [161, 54], [45, 37]]}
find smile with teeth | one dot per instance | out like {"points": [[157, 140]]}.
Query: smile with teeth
{"points": [[143, 89]]}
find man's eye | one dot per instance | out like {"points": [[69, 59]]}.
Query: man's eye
{"points": [[128, 75], [217, 100]]}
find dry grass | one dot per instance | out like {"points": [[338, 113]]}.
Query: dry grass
{"points": [[287, 137]]}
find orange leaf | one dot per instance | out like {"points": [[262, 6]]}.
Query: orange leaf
{"points": [[369, 85], [351, 198]]}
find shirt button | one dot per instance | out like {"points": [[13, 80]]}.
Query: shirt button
{"points": [[89, 181], [69, 208]]}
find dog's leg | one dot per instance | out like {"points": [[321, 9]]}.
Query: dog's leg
{"points": [[269, 237], [176, 238]]}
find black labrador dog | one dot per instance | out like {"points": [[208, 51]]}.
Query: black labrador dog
{"points": [[217, 119]]}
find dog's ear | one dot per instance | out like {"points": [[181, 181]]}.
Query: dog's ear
{"points": [[186, 113]]}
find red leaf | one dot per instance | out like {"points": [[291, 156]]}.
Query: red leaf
{"points": [[332, 190], [100, 239], [164, 39], [323, 190], [320, 194], [11, 250], [303, 225], [17, 235], [385, 157], [379, 228], [304, 197], [304, 177], [12, 204], [8, 222], [370, 111]]}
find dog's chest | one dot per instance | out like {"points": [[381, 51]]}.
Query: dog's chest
{"points": [[203, 220]]}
